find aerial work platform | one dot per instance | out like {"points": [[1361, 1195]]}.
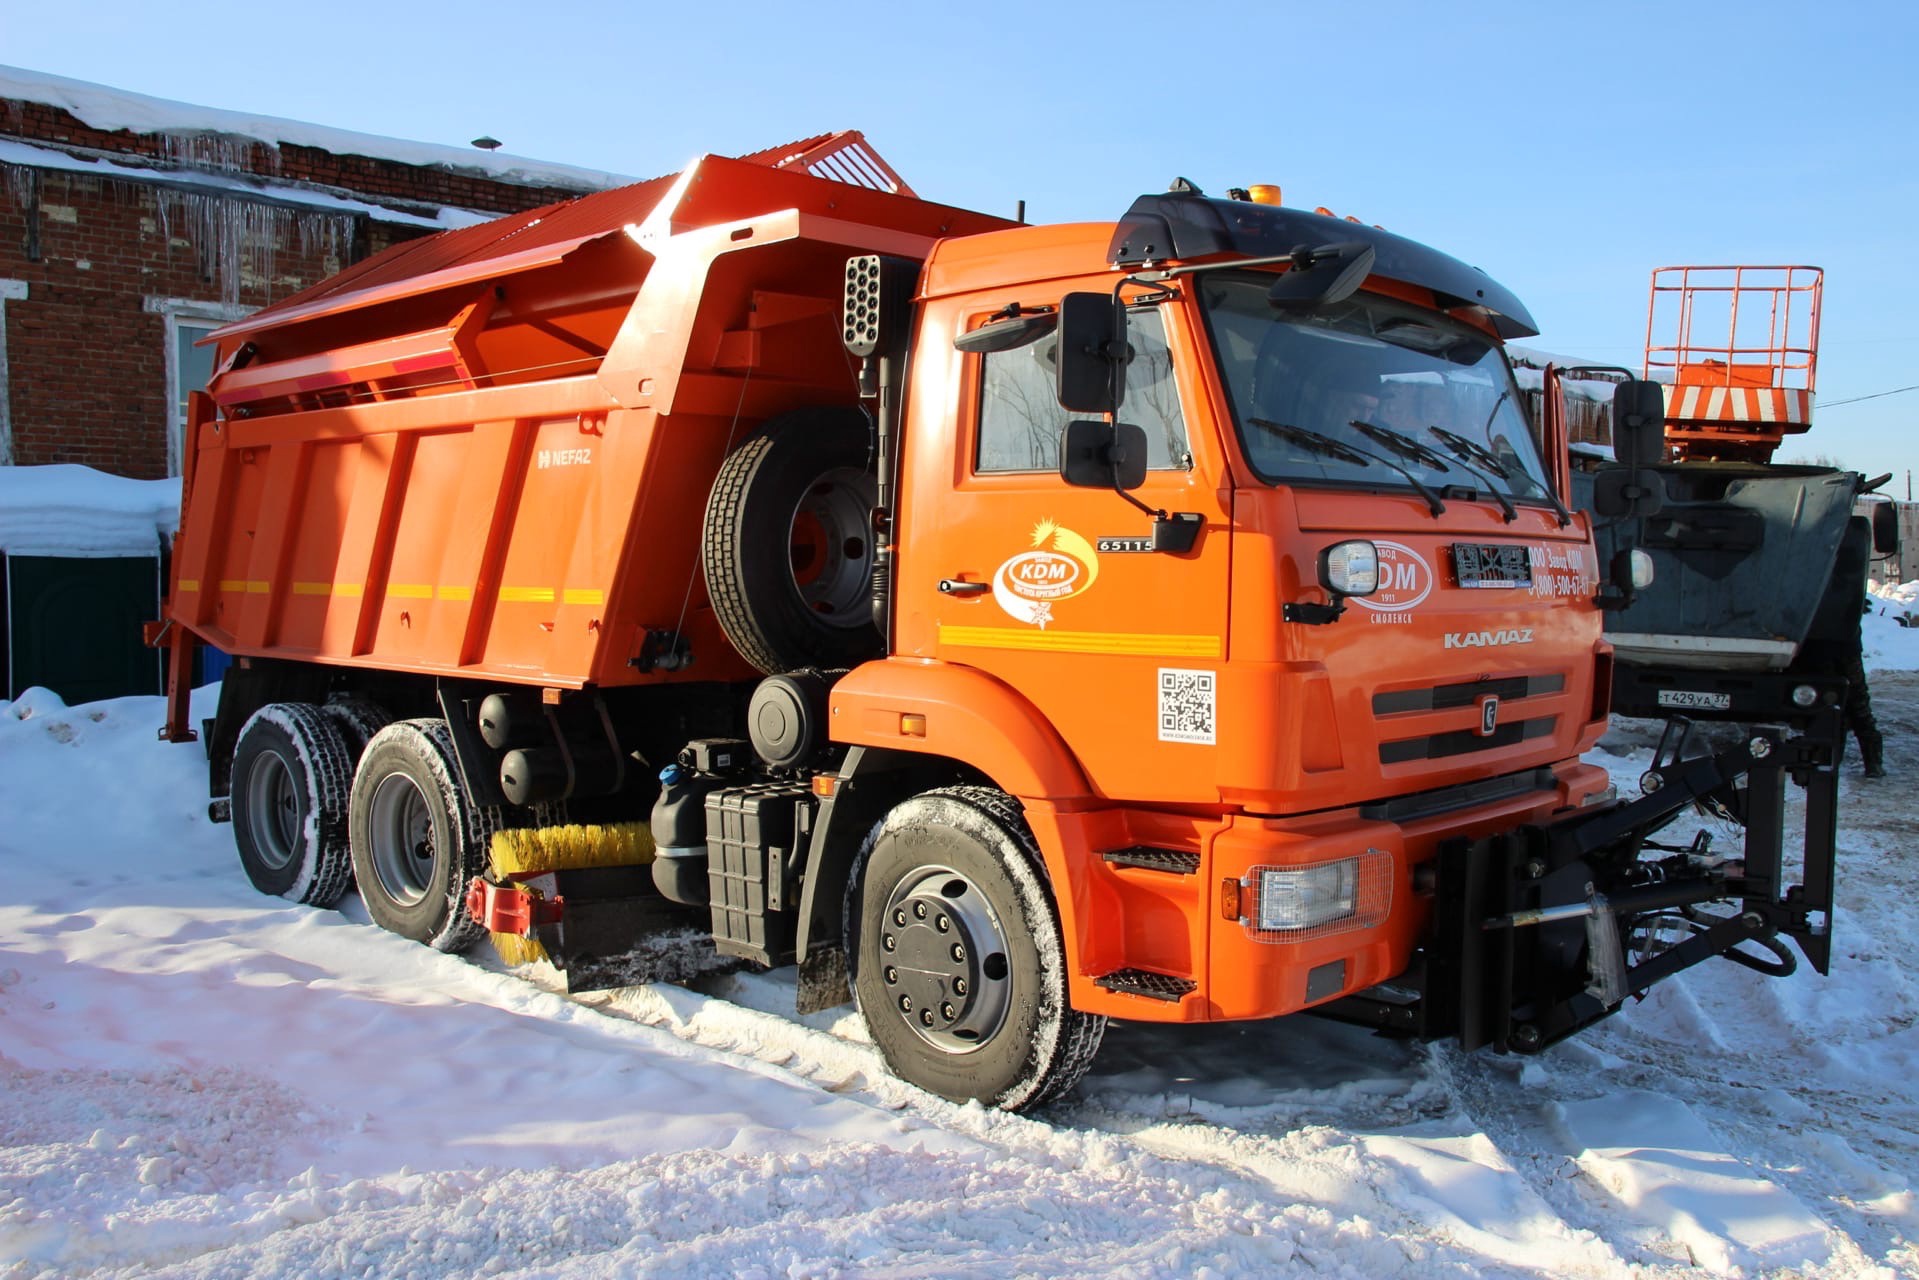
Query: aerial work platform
{"points": [[1736, 399]]}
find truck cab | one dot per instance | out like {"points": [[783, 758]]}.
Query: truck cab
{"points": [[1242, 774]]}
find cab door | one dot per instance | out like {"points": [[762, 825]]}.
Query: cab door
{"points": [[1056, 590]]}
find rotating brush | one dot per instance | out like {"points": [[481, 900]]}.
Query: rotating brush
{"points": [[525, 851]]}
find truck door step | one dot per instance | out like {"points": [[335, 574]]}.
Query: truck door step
{"points": [[1144, 982], [1177, 861]]}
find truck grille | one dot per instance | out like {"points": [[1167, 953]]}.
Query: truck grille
{"points": [[1465, 694], [1459, 742]]}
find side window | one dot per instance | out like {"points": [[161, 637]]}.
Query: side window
{"points": [[1021, 421], [188, 367], [191, 367]]}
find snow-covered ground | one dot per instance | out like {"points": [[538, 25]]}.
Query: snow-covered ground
{"points": [[197, 1081]]}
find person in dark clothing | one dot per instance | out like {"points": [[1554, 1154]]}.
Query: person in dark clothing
{"points": [[1834, 646]]}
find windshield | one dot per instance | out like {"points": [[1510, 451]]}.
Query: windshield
{"points": [[1369, 392]]}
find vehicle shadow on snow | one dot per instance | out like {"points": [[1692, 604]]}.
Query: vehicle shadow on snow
{"points": [[1259, 1077]]}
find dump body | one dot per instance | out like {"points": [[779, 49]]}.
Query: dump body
{"points": [[1742, 548], [486, 454], [1741, 553]]}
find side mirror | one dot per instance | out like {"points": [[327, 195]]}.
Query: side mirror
{"points": [[1885, 528], [1639, 423], [1092, 354], [1331, 273], [1627, 491], [1102, 455]]}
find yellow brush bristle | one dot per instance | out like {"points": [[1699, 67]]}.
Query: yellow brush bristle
{"points": [[568, 848], [515, 950], [565, 848]]}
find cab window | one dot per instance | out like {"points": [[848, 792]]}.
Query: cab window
{"points": [[1020, 420]]}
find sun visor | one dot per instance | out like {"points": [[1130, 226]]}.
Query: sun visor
{"points": [[1188, 228]]}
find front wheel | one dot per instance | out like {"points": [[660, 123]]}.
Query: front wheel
{"points": [[958, 963]]}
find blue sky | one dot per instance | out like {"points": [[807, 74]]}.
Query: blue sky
{"points": [[1567, 149]]}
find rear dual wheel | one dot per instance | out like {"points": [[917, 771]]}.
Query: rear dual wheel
{"points": [[417, 837], [292, 769]]}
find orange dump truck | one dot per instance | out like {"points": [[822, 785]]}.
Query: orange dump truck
{"points": [[1171, 619]]}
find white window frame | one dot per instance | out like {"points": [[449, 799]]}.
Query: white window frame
{"points": [[10, 291], [199, 313]]}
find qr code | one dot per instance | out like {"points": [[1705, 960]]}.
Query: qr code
{"points": [[1187, 706]]}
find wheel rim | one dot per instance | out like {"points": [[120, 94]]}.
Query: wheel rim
{"points": [[273, 810], [400, 839], [831, 548], [943, 960]]}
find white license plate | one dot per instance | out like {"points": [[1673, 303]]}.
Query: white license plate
{"points": [[1693, 699]]}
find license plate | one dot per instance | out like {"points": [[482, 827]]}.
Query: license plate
{"points": [[1693, 699], [1481, 565]]}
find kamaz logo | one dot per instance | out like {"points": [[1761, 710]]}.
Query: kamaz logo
{"points": [[1486, 639]]}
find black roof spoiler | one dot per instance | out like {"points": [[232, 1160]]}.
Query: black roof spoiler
{"points": [[1188, 227]]}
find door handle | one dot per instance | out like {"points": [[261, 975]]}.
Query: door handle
{"points": [[957, 587]]}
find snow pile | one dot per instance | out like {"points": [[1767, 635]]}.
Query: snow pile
{"points": [[111, 109], [68, 510], [1890, 629], [197, 1081]]}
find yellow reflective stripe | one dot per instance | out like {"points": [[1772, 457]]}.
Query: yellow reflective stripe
{"points": [[526, 595], [188, 584], [582, 595], [251, 587], [409, 591], [327, 589], [1141, 644], [456, 593]]}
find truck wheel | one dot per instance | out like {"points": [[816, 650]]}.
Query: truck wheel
{"points": [[788, 550], [957, 960], [358, 719], [292, 769], [417, 837]]}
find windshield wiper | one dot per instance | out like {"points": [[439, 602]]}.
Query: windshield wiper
{"points": [[1466, 451], [1485, 455], [1403, 445], [1327, 447]]}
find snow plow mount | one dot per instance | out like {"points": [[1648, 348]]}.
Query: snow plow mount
{"points": [[515, 907], [1544, 930]]}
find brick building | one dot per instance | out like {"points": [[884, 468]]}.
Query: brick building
{"points": [[130, 226]]}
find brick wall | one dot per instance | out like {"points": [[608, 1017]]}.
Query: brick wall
{"points": [[86, 352]]}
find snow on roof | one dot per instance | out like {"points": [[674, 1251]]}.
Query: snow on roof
{"points": [[20, 153], [107, 108], [68, 510]]}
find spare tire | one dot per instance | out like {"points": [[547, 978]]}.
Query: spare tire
{"points": [[789, 548]]}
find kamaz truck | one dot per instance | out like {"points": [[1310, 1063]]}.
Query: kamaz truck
{"points": [[1171, 618]]}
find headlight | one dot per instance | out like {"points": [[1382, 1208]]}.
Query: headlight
{"points": [[1641, 570], [1302, 898], [1291, 904], [1350, 568]]}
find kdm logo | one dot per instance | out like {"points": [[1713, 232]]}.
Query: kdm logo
{"points": [[1027, 585], [1405, 579]]}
